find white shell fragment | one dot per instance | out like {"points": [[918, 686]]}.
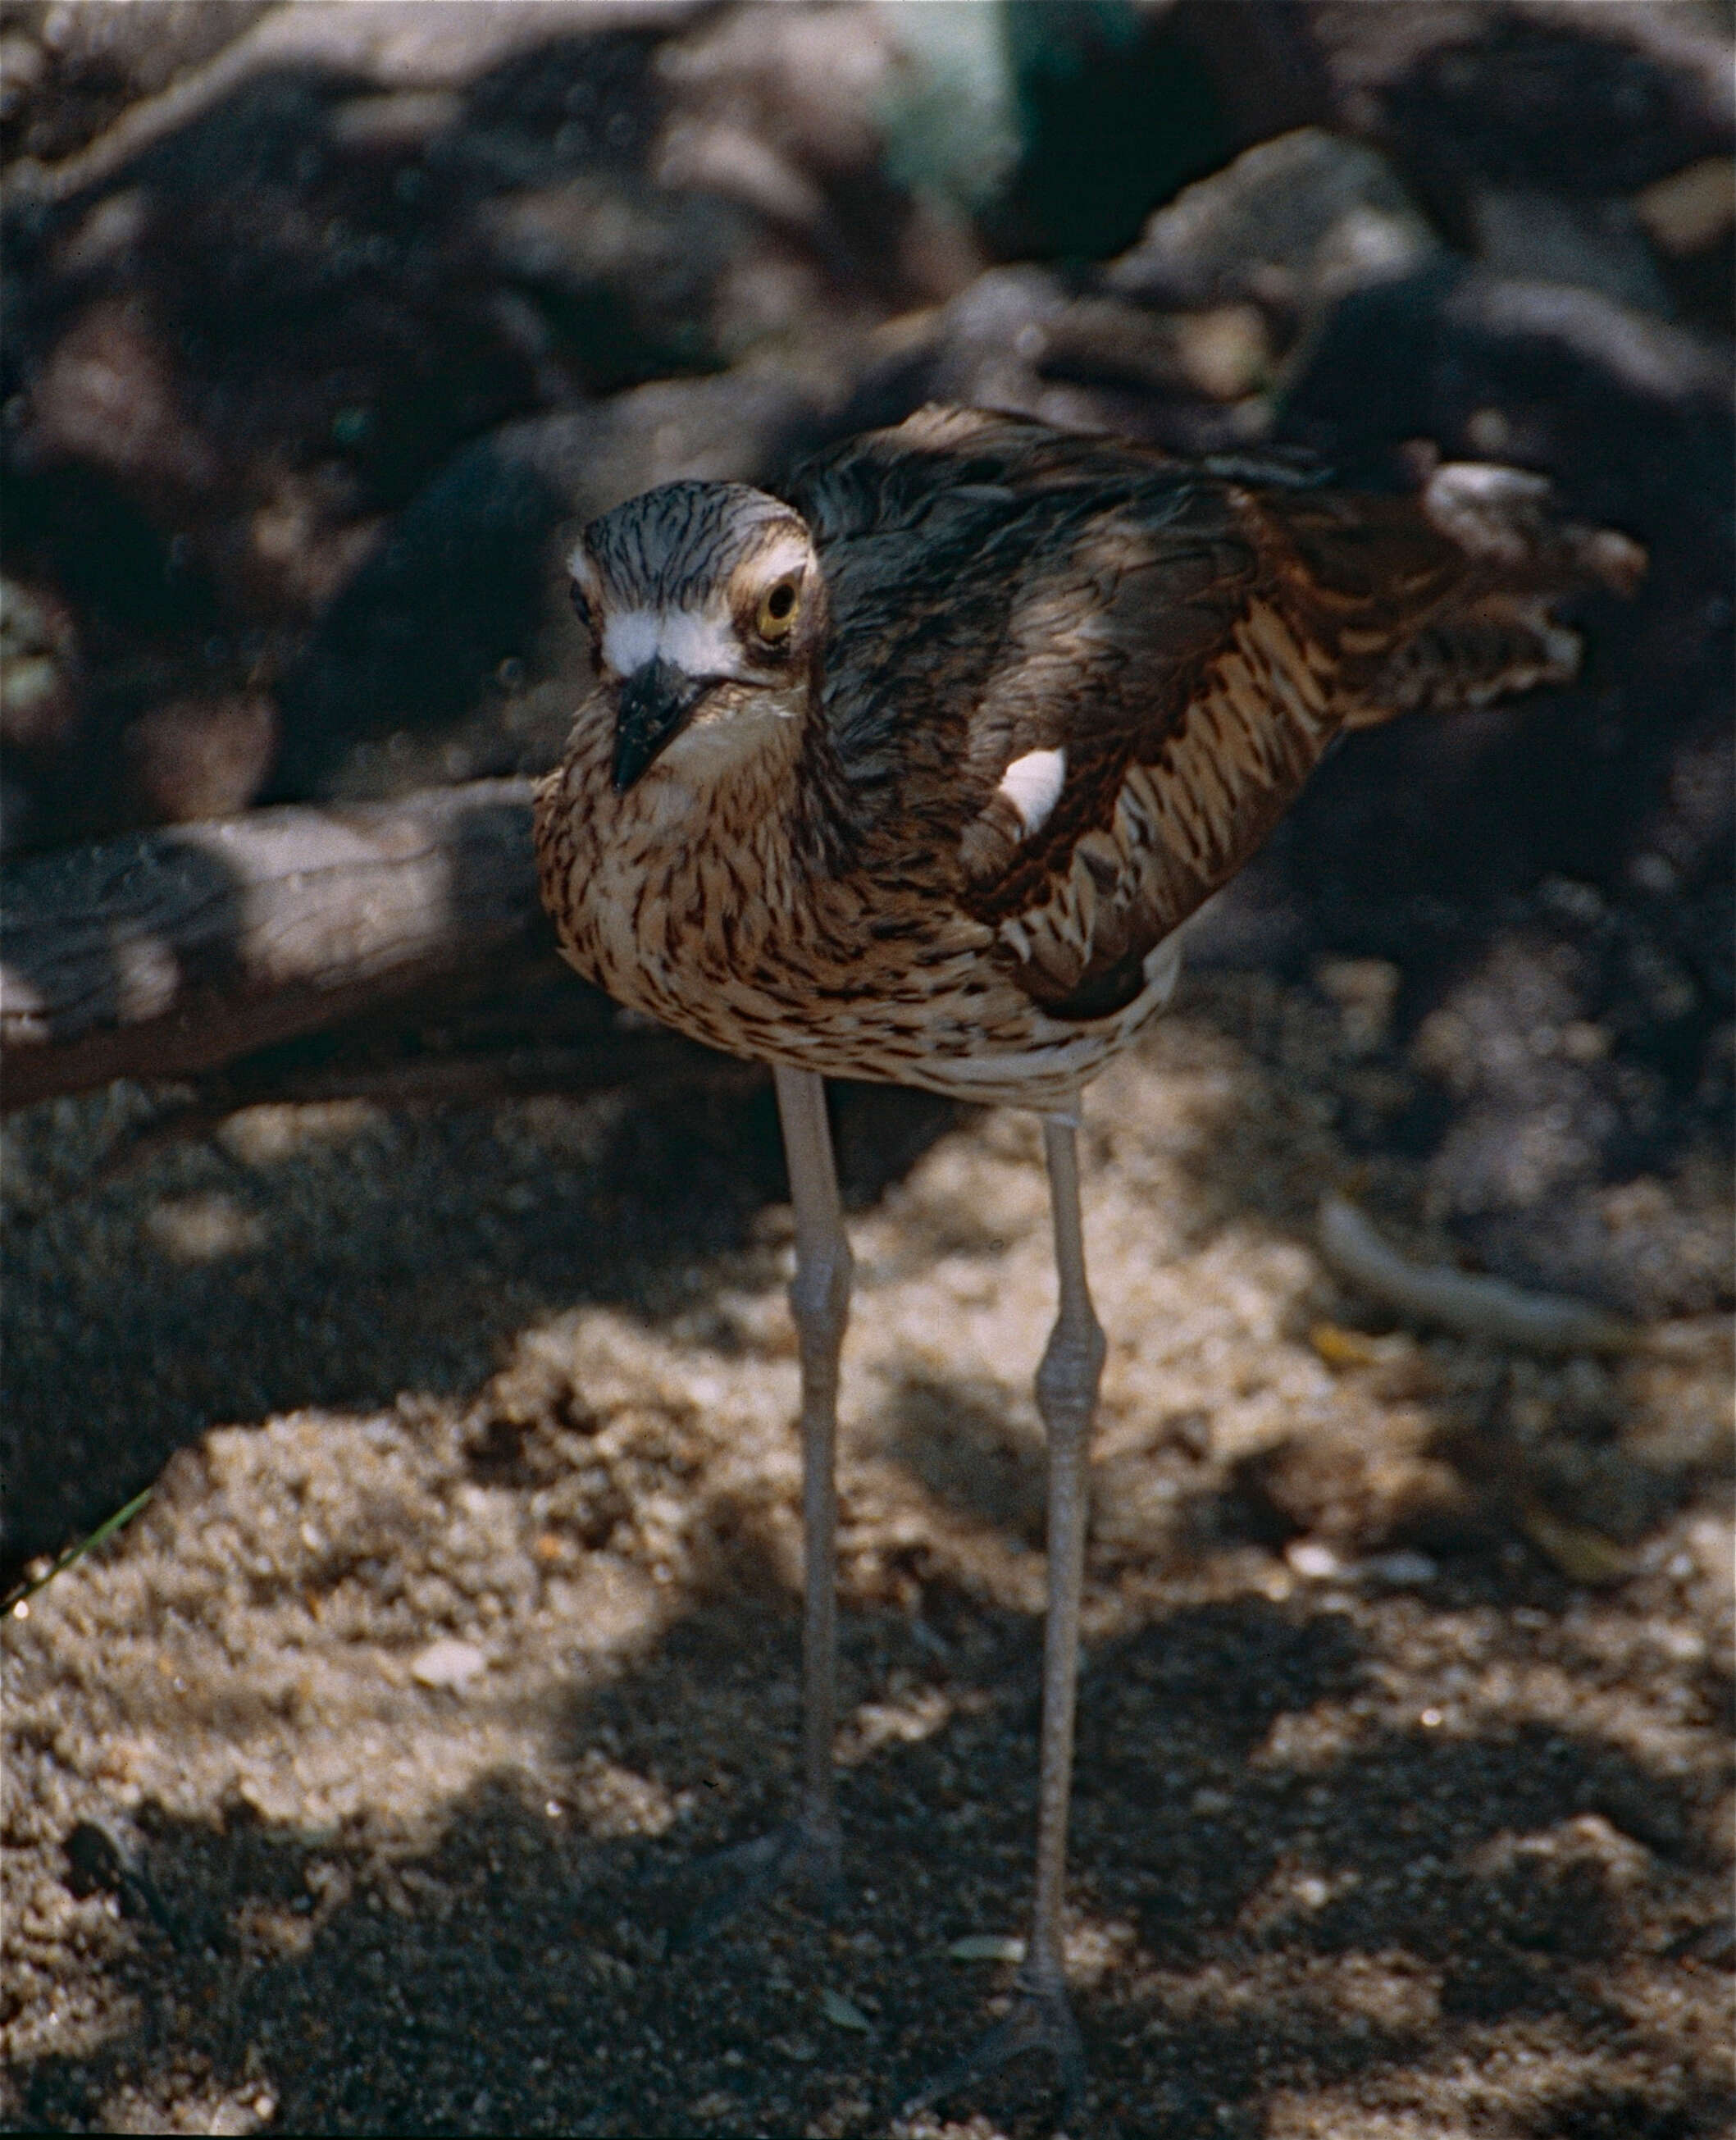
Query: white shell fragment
{"points": [[448, 1662]]}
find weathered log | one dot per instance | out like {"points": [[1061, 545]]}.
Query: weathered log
{"points": [[172, 953]]}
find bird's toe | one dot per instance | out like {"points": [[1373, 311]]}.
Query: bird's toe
{"points": [[1040, 2019], [803, 1856]]}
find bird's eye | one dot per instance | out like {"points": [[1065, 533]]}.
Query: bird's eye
{"points": [[777, 608], [581, 606]]}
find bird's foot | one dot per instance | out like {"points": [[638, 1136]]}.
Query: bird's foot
{"points": [[805, 1853], [1040, 2019]]}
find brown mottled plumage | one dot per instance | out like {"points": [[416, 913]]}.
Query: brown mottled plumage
{"points": [[916, 776], [820, 866]]}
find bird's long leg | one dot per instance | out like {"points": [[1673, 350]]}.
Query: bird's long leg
{"points": [[1066, 1396], [805, 1851], [819, 1302]]}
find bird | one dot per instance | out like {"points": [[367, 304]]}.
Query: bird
{"points": [[915, 774]]}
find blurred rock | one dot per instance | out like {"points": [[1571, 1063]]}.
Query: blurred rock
{"points": [[320, 255], [1022, 339], [106, 395], [42, 701], [623, 274], [1631, 415], [1293, 226], [1330, 1485], [1539, 1169], [1690, 216], [1119, 105], [1571, 96], [1181, 340], [201, 757], [1531, 900], [39, 669], [792, 113], [1523, 233], [107, 68], [69, 71], [1693, 208]]}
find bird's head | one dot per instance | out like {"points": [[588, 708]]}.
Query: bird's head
{"points": [[705, 606]]}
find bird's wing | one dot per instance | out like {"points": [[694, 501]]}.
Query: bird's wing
{"points": [[1087, 680], [981, 574]]}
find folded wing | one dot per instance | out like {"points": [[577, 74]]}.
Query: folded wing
{"points": [[1109, 672]]}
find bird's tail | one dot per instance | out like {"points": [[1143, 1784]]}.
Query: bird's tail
{"points": [[1495, 633]]}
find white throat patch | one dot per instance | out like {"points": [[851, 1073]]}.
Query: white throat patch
{"points": [[690, 641]]}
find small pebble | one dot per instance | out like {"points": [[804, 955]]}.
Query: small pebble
{"points": [[843, 2012], [1402, 1569], [448, 1662]]}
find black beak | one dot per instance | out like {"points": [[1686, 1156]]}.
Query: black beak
{"points": [[654, 701]]}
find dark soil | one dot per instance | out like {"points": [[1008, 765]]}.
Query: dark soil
{"points": [[1403, 1783]]}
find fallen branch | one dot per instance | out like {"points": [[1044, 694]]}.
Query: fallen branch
{"points": [[382, 45], [170, 954], [1487, 1308]]}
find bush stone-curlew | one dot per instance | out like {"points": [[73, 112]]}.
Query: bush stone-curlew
{"points": [[916, 777]]}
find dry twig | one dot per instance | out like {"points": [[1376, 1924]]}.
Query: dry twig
{"points": [[1472, 1306]]}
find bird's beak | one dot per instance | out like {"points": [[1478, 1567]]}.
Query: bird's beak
{"points": [[654, 701]]}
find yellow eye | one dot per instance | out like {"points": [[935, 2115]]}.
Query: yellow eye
{"points": [[777, 611]]}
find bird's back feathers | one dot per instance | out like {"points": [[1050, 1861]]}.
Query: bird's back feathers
{"points": [[1189, 636]]}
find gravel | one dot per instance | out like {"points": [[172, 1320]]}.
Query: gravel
{"points": [[357, 1786]]}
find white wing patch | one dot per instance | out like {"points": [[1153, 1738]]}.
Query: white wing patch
{"points": [[697, 644], [1032, 784]]}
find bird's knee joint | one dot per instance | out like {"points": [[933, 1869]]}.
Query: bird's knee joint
{"points": [[1066, 1381], [820, 1291], [1074, 1353]]}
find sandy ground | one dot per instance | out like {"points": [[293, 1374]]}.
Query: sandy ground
{"points": [[355, 1786]]}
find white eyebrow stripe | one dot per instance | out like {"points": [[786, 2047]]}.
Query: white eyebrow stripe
{"points": [[1032, 784], [585, 573], [698, 645], [788, 551]]}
